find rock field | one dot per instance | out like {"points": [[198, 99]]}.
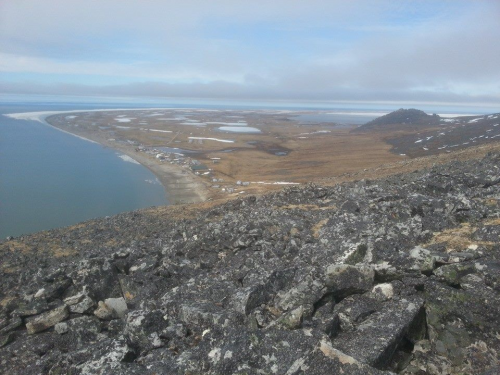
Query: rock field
{"points": [[400, 275]]}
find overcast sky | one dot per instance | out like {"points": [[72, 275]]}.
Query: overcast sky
{"points": [[444, 51]]}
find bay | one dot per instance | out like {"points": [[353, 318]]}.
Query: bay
{"points": [[50, 179]]}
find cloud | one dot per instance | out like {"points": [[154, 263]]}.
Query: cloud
{"points": [[319, 49], [227, 90]]}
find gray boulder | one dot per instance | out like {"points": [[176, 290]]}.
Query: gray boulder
{"points": [[47, 320]]}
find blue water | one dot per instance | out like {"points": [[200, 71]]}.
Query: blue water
{"points": [[50, 179]]}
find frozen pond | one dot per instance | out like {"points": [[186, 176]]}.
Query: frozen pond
{"points": [[239, 129]]}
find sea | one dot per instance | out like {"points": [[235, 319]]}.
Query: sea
{"points": [[51, 179]]}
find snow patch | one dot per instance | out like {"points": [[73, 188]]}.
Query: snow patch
{"points": [[159, 131], [213, 139]]}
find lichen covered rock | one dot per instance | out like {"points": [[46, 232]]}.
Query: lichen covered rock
{"points": [[399, 275]]}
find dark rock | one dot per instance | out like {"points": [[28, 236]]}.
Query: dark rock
{"points": [[14, 323], [375, 340], [6, 339], [34, 307], [99, 276], [490, 233], [144, 329], [452, 273], [54, 290], [343, 280], [282, 352]]}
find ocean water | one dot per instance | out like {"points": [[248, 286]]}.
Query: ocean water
{"points": [[50, 179]]}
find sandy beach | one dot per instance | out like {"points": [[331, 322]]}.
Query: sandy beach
{"points": [[181, 185]]}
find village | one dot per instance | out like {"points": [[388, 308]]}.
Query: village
{"points": [[189, 164]]}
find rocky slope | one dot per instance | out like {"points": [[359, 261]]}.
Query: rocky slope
{"points": [[452, 134], [400, 275]]}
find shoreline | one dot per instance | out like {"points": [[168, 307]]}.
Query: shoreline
{"points": [[180, 185]]}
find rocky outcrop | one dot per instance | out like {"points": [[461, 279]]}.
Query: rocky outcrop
{"points": [[400, 275]]}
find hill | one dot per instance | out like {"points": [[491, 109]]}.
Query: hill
{"points": [[398, 275], [401, 119]]}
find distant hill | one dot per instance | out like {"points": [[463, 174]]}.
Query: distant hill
{"points": [[402, 118]]}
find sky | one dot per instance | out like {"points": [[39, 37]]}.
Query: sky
{"points": [[309, 50]]}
